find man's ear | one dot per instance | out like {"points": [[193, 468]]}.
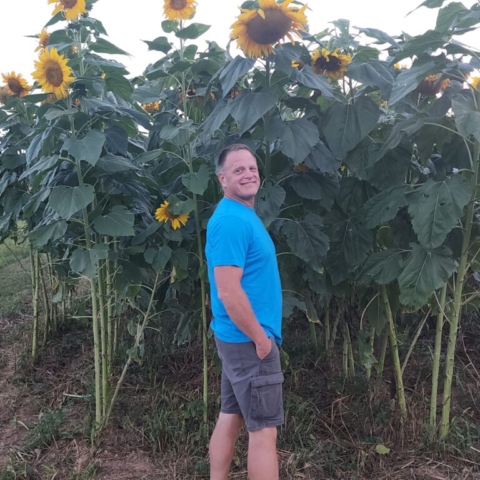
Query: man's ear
{"points": [[221, 178]]}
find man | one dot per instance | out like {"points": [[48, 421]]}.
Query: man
{"points": [[246, 301]]}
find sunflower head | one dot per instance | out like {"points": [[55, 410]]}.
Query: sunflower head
{"points": [[259, 29], [301, 167], [16, 84], [53, 73], [432, 85], [331, 64], [179, 9], [475, 82], [163, 214], [151, 107], [71, 8], [4, 94], [43, 39]]}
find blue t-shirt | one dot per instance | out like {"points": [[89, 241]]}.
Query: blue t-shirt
{"points": [[237, 237]]}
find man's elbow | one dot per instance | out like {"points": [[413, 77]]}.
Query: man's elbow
{"points": [[225, 295]]}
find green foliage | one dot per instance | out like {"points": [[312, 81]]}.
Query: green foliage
{"points": [[46, 430]]}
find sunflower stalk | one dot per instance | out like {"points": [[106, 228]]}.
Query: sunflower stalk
{"points": [[95, 326], [383, 354], [436, 363], [109, 293], [457, 299], [200, 250], [35, 282], [138, 337], [103, 333], [395, 356]]}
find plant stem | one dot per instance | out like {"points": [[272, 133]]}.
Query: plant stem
{"points": [[327, 327], [383, 354], [35, 283], [372, 343], [436, 363], [415, 340], [103, 334], [138, 337], [457, 301], [96, 337], [395, 356]]}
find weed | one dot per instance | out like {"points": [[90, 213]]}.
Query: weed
{"points": [[88, 473], [46, 429]]}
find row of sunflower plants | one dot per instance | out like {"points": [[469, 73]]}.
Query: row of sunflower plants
{"points": [[369, 170], [363, 188], [78, 180]]}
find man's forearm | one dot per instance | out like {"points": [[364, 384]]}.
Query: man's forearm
{"points": [[240, 311]]}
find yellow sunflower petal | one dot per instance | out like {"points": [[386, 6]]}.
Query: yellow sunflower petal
{"points": [[332, 64], [258, 30], [53, 73], [16, 84], [179, 9], [71, 8]]}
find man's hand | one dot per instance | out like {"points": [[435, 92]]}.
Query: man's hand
{"points": [[263, 348]]}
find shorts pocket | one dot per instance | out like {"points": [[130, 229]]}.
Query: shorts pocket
{"points": [[266, 403]]}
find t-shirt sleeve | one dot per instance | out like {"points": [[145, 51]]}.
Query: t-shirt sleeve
{"points": [[229, 241]]}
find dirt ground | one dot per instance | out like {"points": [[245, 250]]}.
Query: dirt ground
{"points": [[62, 379]]}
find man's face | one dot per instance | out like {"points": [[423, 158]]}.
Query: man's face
{"points": [[239, 177]]}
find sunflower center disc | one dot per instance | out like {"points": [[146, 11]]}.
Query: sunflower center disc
{"points": [[14, 85], [275, 26], [178, 4], [68, 3], [332, 65], [54, 74]]}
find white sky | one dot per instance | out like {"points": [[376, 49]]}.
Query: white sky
{"points": [[129, 21]]}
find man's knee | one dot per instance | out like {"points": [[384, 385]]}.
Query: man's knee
{"points": [[264, 435]]}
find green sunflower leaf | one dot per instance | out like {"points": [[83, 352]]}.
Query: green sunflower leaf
{"points": [[467, 118], [234, 70], [160, 44], [344, 126], [382, 267], [85, 261], [104, 46], [306, 240], [249, 107], [158, 259], [67, 201], [436, 207], [193, 31], [42, 235], [424, 272], [118, 223], [384, 207], [197, 182], [87, 148], [269, 201]]}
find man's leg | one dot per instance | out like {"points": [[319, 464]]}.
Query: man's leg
{"points": [[262, 454], [222, 445]]}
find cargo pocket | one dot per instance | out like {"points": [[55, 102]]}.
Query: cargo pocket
{"points": [[266, 403]]}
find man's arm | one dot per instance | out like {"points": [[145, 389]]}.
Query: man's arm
{"points": [[238, 307]]}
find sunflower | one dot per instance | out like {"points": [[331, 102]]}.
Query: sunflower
{"points": [[432, 85], [53, 73], [16, 84], [332, 64], [4, 94], [43, 39], [257, 30], [475, 82], [71, 8], [301, 167], [179, 9], [151, 107], [162, 214]]}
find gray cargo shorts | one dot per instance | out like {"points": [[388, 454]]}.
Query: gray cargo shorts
{"points": [[250, 386]]}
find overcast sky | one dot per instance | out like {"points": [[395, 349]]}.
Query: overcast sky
{"points": [[128, 22]]}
